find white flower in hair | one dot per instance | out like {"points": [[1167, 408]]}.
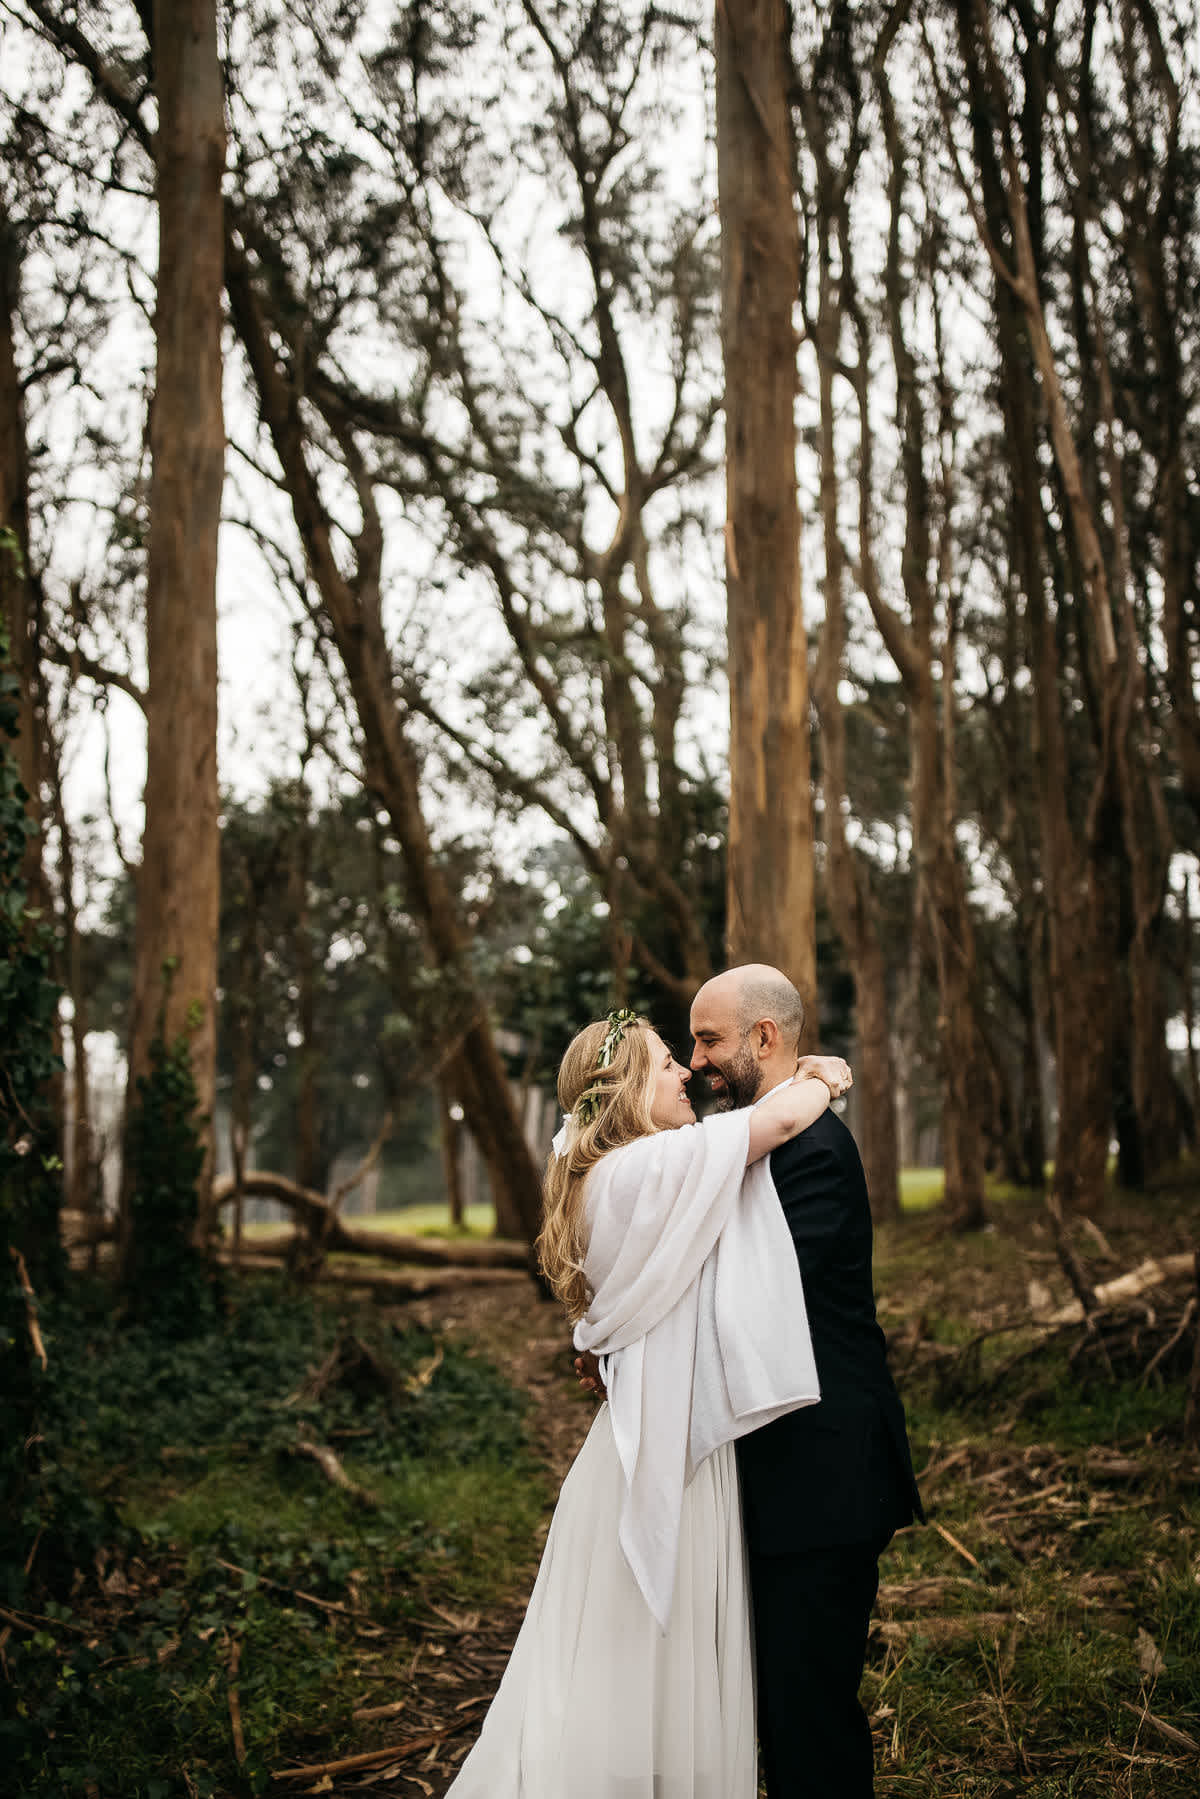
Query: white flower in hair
{"points": [[565, 1136]]}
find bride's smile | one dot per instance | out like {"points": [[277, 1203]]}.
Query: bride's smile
{"points": [[670, 1106]]}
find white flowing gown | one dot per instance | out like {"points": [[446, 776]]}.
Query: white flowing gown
{"points": [[597, 1702], [632, 1675]]}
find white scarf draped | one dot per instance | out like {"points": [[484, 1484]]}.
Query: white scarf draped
{"points": [[699, 1307]]}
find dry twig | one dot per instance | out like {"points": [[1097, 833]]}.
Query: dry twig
{"points": [[277, 1586], [1179, 1737], [330, 1465], [954, 1543], [235, 1707], [35, 1335]]}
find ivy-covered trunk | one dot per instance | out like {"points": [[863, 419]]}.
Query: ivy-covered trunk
{"points": [[31, 1258]]}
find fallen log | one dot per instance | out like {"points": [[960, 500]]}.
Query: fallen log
{"points": [[386, 1282], [1150, 1273], [327, 1228]]}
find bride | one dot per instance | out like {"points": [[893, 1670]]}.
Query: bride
{"points": [[632, 1676]]}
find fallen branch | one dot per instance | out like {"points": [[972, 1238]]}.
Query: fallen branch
{"points": [[1189, 1312], [949, 1537], [927, 1593], [278, 1586], [376, 1758], [235, 1706], [369, 1714], [1150, 1273], [1069, 1259], [388, 1285], [331, 1467], [944, 1630], [35, 1335], [322, 1222], [1179, 1737], [35, 1621]]}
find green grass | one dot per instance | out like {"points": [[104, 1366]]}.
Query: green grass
{"points": [[410, 1221], [1075, 1627], [921, 1188]]}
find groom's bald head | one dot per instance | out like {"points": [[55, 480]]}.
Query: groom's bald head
{"points": [[746, 1024], [756, 992]]}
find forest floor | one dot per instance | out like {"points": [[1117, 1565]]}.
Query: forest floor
{"points": [[1042, 1634], [255, 1628]]}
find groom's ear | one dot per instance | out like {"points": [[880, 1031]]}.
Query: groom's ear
{"points": [[767, 1034]]}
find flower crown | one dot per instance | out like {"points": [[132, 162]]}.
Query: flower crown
{"points": [[587, 1106]]}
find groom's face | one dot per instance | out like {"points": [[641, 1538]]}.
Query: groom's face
{"points": [[722, 1055]]}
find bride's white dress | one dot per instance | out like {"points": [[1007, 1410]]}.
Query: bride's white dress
{"points": [[631, 1677], [597, 1702]]}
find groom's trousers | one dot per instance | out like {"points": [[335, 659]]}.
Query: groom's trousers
{"points": [[812, 1610]]}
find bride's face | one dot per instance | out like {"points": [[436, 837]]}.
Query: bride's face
{"points": [[670, 1106]]}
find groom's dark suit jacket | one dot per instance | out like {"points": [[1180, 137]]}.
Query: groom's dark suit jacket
{"points": [[840, 1471]]}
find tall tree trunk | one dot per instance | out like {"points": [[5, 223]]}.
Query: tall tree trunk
{"points": [[1187, 981], [452, 1170], [771, 907], [1081, 934], [852, 906], [1032, 1166], [1145, 827], [178, 884], [17, 596], [941, 898], [80, 1188], [311, 1170]]}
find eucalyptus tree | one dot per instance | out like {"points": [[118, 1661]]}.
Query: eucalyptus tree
{"points": [[55, 307], [771, 895], [175, 967], [165, 519], [1105, 845], [855, 135], [557, 500], [543, 304], [18, 592]]}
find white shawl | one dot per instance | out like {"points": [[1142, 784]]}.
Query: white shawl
{"points": [[698, 1304]]}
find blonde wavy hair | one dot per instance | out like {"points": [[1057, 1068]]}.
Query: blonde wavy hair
{"points": [[618, 1100]]}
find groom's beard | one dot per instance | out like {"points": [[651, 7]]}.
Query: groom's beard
{"points": [[740, 1075]]}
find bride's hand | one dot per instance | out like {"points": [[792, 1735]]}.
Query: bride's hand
{"points": [[831, 1069], [587, 1370]]}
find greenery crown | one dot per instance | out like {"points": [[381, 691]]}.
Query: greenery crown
{"points": [[587, 1106]]}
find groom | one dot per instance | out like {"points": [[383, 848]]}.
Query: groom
{"points": [[823, 1488]]}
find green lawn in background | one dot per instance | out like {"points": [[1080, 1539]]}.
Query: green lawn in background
{"points": [[407, 1221], [920, 1189]]}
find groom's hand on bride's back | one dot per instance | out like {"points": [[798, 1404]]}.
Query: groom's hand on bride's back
{"points": [[587, 1369]]}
